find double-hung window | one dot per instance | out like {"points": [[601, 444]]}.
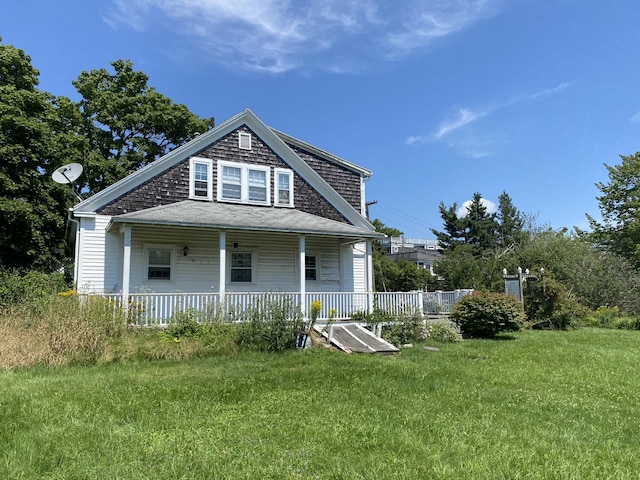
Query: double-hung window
{"points": [[160, 262], [201, 179], [243, 183], [242, 267], [311, 268], [284, 187]]}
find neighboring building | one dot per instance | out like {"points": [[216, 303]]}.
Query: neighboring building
{"points": [[241, 208], [421, 252]]}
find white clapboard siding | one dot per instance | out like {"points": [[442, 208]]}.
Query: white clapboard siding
{"points": [[275, 254], [340, 268], [92, 254], [359, 270]]}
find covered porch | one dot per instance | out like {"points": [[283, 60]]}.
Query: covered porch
{"points": [[196, 255]]}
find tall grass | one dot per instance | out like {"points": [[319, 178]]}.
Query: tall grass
{"points": [[63, 330], [542, 404]]}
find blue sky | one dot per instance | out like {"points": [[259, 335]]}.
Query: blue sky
{"points": [[439, 98]]}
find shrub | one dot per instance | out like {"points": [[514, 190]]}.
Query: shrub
{"points": [[443, 331], [550, 305], [405, 329], [33, 290], [488, 314], [626, 323], [271, 325], [184, 325], [604, 316]]}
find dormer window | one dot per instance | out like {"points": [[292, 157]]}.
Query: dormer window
{"points": [[201, 179], [244, 141]]}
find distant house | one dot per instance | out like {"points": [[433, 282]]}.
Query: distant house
{"points": [[421, 252], [241, 208]]}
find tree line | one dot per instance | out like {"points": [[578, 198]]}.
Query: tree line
{"points": [[590, 269]]}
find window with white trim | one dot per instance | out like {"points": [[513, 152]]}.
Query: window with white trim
{"points": [[311, 268], [201, 179], [160, 260], [242, 264], [284, 188], [242, 183]]}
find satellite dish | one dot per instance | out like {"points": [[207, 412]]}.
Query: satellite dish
{"points": [[67, 173]]}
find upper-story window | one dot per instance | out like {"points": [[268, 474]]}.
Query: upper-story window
{"points": [[242, 183], [284, 187], [201, 179]]}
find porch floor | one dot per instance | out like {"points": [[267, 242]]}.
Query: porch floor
{"points": [[351, 337]]}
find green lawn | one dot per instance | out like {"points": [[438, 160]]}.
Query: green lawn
{"points": [[557, 405]]}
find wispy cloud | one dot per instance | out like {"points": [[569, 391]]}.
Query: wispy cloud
{"points": [[281, 35], [473, 146], [419, 27], [462, 117], [635, 118]]}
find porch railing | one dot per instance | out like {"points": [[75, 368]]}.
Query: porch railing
{"points": [[159, 308]]}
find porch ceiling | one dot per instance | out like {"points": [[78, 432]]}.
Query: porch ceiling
{"points": [[225, 216]]}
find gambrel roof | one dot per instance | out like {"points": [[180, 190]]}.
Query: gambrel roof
{"points": [[277, 141]]}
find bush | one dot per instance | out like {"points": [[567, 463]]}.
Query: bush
{"points": [[488, 314], [443, 331], [271, 325], [33, 290], [550, 305], [405, 329], [184, 325]]}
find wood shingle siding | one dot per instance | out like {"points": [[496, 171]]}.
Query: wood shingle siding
{"points": [[344, 181], [172, 185]]}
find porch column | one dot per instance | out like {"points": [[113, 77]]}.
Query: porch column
{"points": [[369, 276], [223, 264], [303, 293], [126, 267]]}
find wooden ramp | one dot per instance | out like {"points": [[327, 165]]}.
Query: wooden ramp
{"points": [[351, 337]]}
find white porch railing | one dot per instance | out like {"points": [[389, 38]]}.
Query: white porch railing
{"points": [[440, 302], [158, 308]]}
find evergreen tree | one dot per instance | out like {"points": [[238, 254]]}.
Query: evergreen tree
{"points": [[619, 230], [510, 223]]}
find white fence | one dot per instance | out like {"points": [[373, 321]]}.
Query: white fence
{"points": [[158, 308], [441, 303]]}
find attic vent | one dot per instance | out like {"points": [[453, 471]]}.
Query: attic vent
{"points": [[245, 141]]}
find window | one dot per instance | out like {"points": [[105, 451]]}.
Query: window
{"points": [[241, 267], [201, 179], [257, 186], [231, 183], [159, 263], [284, 188], [244, 141], [243, 183], [310, 267]]}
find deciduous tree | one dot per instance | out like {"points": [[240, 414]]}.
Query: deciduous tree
{"points": [[32, 206], [127, 123]]}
